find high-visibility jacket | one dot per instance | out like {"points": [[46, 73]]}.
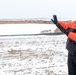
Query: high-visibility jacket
{"points": [[71, 41]]}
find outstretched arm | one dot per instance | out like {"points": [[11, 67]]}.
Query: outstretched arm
{"points": [[65, 28], [68, 29]]}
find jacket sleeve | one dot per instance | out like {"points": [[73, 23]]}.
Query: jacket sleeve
{"points": [[69, 25], [62, 26]]}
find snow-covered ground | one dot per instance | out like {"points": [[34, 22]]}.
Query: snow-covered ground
{"points": [[12, 29], [33, 55]]}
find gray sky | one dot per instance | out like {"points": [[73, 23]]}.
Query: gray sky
{"points": [[37, 8]]}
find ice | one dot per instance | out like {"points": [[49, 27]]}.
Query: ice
{"points": [[15, 29]]}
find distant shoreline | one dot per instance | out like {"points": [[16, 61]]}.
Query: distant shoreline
{"points": [[27, 21]]}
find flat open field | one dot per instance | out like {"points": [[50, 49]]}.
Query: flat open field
{"points": [[33, 55]]}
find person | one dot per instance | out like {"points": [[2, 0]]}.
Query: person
{"points": [[70, 30]]}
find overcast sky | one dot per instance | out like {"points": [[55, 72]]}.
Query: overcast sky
{"points": [[37, 8]]}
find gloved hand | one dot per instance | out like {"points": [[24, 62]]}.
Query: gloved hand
{"points": [[54, 20]]}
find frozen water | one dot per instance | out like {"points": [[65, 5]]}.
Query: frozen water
{"points": [[13, 29]]}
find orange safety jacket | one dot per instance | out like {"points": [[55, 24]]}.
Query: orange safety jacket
{"points": [[71, 35], [71, 41]]}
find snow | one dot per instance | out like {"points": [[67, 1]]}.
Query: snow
{"points": [[33, 55], [12, 29]]}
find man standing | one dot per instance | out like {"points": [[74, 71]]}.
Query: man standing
{"points": [[70, 31]]}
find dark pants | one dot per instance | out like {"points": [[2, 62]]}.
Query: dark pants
{"points": [[71, 64]]}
